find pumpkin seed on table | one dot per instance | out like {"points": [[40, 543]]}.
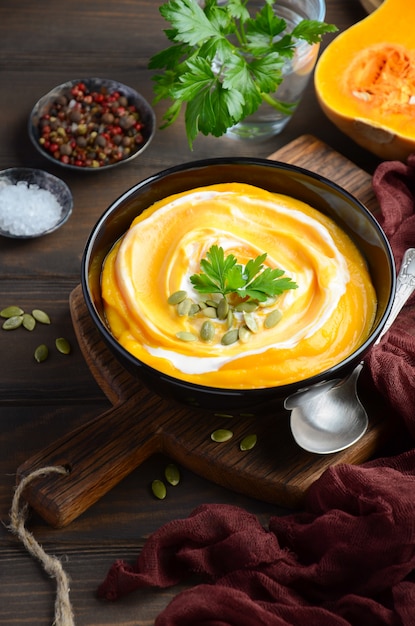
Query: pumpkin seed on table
{"points": [[62, 345], [41, 316], [13, 322], [41, 353], [11, 311], [221, 435], [172, 474], [248, 442], [159, 489], [29, 321]]}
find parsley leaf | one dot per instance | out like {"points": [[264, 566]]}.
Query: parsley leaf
{"points": [[224, 63], [223, 274]]}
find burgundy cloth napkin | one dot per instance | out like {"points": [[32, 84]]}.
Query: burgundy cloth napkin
{"points": [[348, 558]]}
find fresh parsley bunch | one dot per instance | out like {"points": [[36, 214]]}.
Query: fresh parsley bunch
{"points": [[223, 63], [223, 274]]}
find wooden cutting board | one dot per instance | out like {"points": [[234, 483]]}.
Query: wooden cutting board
{"points": [[102, 452]]}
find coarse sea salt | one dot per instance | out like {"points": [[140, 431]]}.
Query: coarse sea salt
{"points": [[26, 209]]}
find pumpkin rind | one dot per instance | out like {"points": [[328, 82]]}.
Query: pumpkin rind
{"points": [[386, 130]]}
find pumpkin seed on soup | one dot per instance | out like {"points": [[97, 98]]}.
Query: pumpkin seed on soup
{"points": [[184, 306], [231, 336], [184, 335], [207, 331], [177, 297], [244, 334], [272, 318]]}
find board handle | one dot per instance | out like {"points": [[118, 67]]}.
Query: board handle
{"points": [[96, 457]]}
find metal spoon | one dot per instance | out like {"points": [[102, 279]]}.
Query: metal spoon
{"points": [[329, 416]]}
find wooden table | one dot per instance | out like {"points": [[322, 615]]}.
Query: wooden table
{"points": [[44, 44]]}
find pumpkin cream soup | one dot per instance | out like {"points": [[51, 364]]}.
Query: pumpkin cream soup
{"points": [[293, 296]]}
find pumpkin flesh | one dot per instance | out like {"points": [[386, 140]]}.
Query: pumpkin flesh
{"points": [[365, 81]]}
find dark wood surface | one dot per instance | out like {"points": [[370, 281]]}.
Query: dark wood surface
{"points": [[44, 44]]}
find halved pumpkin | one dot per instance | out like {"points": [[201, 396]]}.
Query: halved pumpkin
{"points": [[365, 81]]}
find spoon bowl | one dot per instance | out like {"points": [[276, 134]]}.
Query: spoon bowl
{"points": [[329, 417]]}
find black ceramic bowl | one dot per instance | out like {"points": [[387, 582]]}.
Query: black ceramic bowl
{"points": [[101, 86], [296, 182]]}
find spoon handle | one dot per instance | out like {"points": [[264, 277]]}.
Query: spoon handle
{"points": [[404, 288]]}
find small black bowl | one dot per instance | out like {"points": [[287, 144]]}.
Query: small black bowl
{"points": [[100, 85], [274, 176]]}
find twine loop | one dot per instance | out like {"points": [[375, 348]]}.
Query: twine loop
{"points": [[51, 564]]}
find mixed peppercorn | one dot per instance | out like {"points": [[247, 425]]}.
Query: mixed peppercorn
{"points": [[87, 128]]}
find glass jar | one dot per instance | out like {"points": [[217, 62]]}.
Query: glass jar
{"points": [[267, 121]]}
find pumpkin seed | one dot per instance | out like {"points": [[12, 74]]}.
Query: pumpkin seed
{"points": [[41, 316], [272, 318], [41, 353], [268, 302], [29, 321], [210, 311], [183, 307], [177, 297], [13, 322], [195, 308], [231, 336], [249, 306], [223, 309], [221, 435], [244, 334], [227, 415], [251, 322], [11, 311], [229, 319], [172, 474], [183, 335], [207, 331], [159, 489], [212, 303], [248, 442], [62, 345]]}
